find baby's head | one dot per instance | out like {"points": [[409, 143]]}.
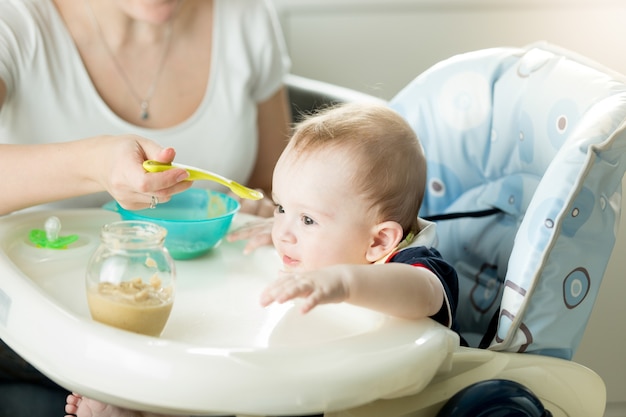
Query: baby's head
{"points": [[379, 154]]}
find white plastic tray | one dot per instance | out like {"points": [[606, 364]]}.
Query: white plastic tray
{"points": [[220, 353]]}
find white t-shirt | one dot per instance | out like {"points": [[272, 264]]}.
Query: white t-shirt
{"points": [[51, 97]]}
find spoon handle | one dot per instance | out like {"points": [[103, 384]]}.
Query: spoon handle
{"points": [[201, 174]]}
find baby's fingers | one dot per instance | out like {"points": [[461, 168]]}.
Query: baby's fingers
{"points": [[285, 289], [250, 229], [262, 208]]}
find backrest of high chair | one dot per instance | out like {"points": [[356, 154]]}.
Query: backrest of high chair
{"points": [[539, 134]]}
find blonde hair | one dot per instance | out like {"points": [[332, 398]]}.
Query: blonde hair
{"points": [[391, 167]]}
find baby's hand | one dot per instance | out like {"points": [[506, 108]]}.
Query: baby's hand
{"points": [[315, 287], [257, 233]]}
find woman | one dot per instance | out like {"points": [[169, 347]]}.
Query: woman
{"points": [[201, 76], [83, 83]]}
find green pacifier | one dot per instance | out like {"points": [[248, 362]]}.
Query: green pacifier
{"points": [[49, 237]]}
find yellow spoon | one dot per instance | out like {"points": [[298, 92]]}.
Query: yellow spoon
{"points": [[200, 174]]}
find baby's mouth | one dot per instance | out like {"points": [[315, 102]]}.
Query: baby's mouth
{"points": [[290, 262]]}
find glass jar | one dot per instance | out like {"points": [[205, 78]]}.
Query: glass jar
{"points": [[130, 278]]}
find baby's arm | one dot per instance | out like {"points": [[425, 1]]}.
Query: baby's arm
{"points": [[394, 288]]}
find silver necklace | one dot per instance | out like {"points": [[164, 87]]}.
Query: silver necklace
{"points": [[144, 103]]}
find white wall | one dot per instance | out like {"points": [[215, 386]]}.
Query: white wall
{"points": [[378, 46]]}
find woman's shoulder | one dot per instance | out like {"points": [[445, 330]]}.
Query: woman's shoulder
{"points": [[251, 24], [26, 29], [244, 10], [23, 19], [246, 3], [17, 11]]}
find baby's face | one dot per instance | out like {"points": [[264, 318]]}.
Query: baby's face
{"points": [[319, 219]]}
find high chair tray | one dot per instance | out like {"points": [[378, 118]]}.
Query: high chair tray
{"points": [[221, 352]]}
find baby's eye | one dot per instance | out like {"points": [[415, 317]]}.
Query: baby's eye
{"points": [[279, 209], [307, 220]]}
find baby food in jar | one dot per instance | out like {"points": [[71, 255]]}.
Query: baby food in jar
{"points": [[130, 278]]}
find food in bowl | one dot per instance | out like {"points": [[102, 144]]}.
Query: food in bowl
{"points": [[196, 220]]}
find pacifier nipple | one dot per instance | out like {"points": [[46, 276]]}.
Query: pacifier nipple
{"points": [[50, 237], [52, 227]]}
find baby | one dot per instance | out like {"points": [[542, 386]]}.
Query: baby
{"points": [[347, 190]]}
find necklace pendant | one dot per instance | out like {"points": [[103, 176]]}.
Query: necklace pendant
{"points": [[144, 103], [144, 111]]}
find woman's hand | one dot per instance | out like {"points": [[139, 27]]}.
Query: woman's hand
{"points": [[128, 182], [101, 163]]}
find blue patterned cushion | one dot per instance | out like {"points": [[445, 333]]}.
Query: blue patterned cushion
{"points": [[538, 133]]}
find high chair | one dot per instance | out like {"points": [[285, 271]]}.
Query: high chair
{"points": [[526, 154]]}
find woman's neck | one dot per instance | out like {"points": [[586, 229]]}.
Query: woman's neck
{"points": [[123, 22]]}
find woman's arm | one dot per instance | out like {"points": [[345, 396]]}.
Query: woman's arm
{"points": [[36, 174], [273, 121], [273, 124]]}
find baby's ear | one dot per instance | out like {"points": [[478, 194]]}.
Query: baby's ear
{"points": [[385, 237]]}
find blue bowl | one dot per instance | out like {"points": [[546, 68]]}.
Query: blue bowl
{"points": [[196, 220]]}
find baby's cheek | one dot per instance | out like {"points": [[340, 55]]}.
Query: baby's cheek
{"points": [[333, 257]]}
